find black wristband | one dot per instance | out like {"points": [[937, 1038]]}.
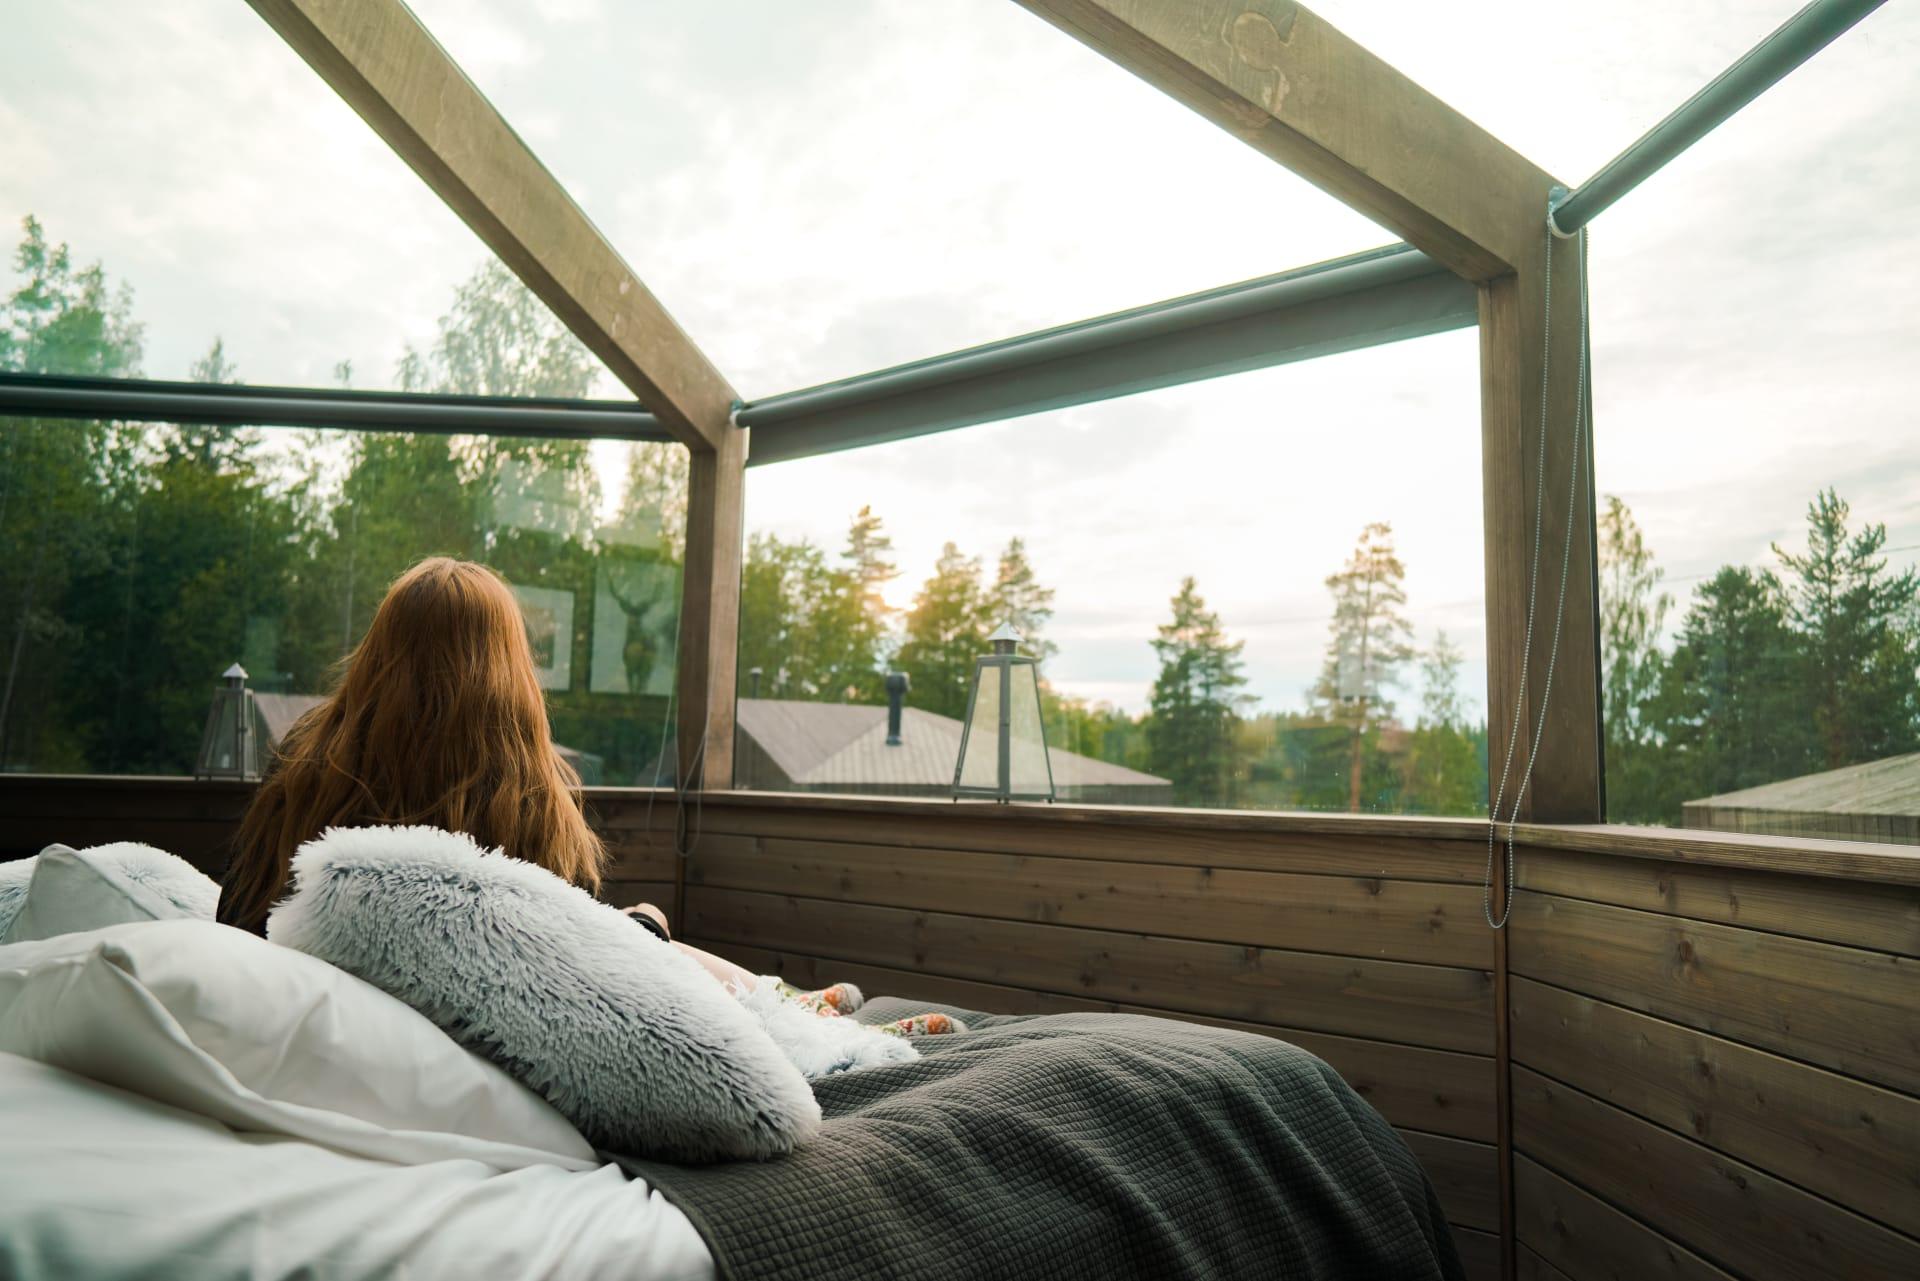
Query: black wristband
{"points": [[652, 926]]}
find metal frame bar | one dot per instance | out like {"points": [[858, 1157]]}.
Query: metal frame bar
{"points": [[1380, 296], [1765, 65], [141, 400]]}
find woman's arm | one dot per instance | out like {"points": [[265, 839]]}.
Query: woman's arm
{"points": [[726, 973]]}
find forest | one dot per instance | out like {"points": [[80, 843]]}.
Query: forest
{"points": [[144, 558]]}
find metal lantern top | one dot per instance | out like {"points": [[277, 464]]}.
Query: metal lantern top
{"points": [[230, 746]]}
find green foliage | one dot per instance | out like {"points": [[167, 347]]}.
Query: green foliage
{"points": [[1445, 769], [806, 624], [1190, 734], [1633, 613], [1370, 641], [946, 630]]}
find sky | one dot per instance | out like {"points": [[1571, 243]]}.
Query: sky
{"points": [[821, 189]]}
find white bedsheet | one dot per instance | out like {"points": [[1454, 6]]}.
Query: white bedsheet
{"points": [[98, 1183]]}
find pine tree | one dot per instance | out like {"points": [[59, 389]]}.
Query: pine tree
{"points": [[1857, 622], [1018, 599], [1190, 731], [946, 630], [1370, 641], [1633, 611], [1730, 711], [1444, 772], [870, 551]]}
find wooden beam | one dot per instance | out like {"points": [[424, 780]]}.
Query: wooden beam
{"points": [[1286, 82], [1521, 514], [378, 56], [710, 612]]}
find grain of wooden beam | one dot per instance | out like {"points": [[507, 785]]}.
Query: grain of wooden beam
{"points": [[1841, 1008], [1881, 917], [1855, 1143], [1420, 921], [1734, 1214], [1573, 1230]]}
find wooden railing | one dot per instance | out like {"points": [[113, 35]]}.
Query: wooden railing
{"points": [[1691, 1055]]}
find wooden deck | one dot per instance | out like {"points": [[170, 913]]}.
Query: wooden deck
{"points": [[1691, 1055]]}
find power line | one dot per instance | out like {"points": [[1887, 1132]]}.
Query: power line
{"points": [[1688, 578]]}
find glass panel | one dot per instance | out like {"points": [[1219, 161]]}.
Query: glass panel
{"points": [[818, 190], [1188, 565], [263, 232], [1759, 471], [154, 556], [1027, 735], [981, 767]]}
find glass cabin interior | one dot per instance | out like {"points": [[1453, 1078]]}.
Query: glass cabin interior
{"points": [[1484, 657]]}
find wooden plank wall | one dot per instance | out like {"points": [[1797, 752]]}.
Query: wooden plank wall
{"points": [[1715, 1071], [1366, 949]]}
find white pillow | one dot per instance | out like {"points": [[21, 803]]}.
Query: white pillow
{"points": [[630, 1038], [222, 1023], [73, 890]]}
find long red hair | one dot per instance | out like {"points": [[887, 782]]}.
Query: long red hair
{"points": [[437, 718]]}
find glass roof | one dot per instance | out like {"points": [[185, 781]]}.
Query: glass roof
{"points": [[818, 190], [190, 153]]}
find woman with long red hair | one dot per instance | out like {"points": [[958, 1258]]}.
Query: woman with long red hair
{"points": [[437, 718]]}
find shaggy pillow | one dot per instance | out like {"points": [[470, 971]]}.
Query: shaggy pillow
{"points": [[630, 1039], [72, 890], [14, 876]]}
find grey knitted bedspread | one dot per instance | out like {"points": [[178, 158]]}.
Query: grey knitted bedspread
{"points": [[1094, 1146]]}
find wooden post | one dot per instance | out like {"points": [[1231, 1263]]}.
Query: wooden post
{"points": [[710, 612], [1566, 783]]}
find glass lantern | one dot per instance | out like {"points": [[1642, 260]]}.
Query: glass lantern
{"points": [[230, 747], [1003, 742]]}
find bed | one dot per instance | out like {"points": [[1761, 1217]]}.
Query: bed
{"points": [[179, 1098]]}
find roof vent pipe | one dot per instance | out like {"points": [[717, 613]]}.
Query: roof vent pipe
{"points": [[897, 687]]}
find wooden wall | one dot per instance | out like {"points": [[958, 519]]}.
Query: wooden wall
{"points": [[1363, 943], [1701, 1050], [1715, 1069]]}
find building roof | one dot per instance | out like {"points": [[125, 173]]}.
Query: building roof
{"points": [[845, 745], [1890, 786]]}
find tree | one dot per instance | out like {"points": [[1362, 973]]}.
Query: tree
{"points": [[870, 551], [1018, 599], [805, 625], [1633, 612], [1370, 639], [946, 630], [1861, 647], [1729, 710], [1445, 771], [1190, 731]]}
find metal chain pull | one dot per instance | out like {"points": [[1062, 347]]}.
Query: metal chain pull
{"points": [[1533, 573]]}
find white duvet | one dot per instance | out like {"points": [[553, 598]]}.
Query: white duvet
{"points": [[180, 1099], [98, 1183]]}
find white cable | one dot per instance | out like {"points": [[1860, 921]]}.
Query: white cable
{"points": [[1533, 577]]}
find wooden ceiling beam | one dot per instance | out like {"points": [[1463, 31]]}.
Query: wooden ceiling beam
{"points": [[1286, 82], [378, 56]]}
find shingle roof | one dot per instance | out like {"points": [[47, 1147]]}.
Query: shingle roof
{"points": [[1890, 786], [845, 745]]}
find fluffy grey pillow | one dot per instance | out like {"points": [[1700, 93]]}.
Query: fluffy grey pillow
{"points": [[631, 1040], [14, 875], [70, 890]]}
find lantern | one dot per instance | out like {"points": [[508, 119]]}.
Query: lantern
{"points": [[230, 747], [1003, 743]]}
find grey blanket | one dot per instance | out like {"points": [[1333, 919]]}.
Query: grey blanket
{"points": [[1100, 1146]]}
